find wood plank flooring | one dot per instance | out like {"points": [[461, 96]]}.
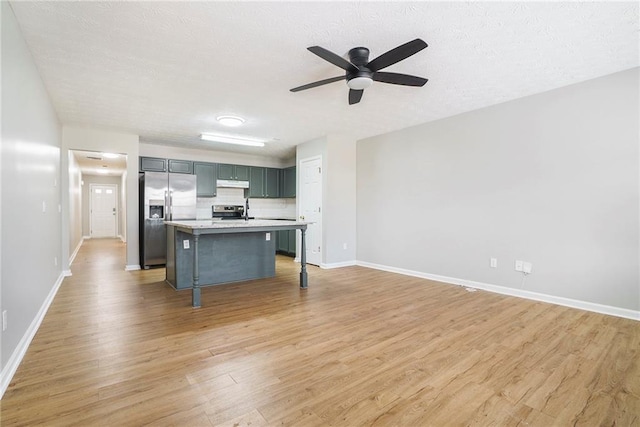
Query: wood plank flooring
{"points": [[359, 347]]}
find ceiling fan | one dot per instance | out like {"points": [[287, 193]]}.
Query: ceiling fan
{"points": [[360, 72]]}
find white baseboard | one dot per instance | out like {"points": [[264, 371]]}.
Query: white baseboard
{"points": [[75, 252], [122, 238], [132, 267], [67, 273], [12, 364], [86, 237], [566, 302], [338, 265]]}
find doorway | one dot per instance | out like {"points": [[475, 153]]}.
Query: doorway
{"points": [[103, 208], [311, 206]]}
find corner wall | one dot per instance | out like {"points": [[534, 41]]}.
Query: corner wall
{"points": [[551, 179]]}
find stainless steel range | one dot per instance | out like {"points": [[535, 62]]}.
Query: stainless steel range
{"points": [[227, 211]]}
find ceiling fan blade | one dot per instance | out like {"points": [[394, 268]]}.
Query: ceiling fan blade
{"points": [[355, 96], [396, 55], [318, 83], [399, 79], [333, 58]]}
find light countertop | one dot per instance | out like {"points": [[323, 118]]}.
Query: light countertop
{"points": [[236, 223]]}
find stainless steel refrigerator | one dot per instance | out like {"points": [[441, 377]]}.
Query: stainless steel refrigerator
{"points": [[163, 197]]}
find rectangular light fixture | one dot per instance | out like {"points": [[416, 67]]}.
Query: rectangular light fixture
{"points": [[232, 140]]}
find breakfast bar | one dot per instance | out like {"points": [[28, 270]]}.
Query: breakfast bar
{"points": [[211, 252]]}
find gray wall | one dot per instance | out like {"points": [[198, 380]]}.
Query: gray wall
{"points": [[31, 238], [75, 205], [551, 179]]}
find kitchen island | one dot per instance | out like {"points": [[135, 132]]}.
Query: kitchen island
{"points": [[211, 252]]}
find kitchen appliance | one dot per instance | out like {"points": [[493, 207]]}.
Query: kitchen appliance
{"points": [[226, 212], [163, 197], [229, 183]]}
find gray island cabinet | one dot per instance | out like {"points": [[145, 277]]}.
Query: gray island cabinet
{"points": [[210, 252]]}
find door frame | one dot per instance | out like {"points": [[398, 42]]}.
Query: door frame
{"points": [[115, 187], [300, 204]]}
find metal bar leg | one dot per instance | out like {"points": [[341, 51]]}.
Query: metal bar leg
{"points": [[195, 292], [303, 261]]}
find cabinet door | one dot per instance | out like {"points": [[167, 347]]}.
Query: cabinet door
{"points": [[292, 242], [271, 186], [256, 182], [283, 241], [288, 182], [242, 173], [206, 178], [226, 171], [152, 164], [180, 166]]}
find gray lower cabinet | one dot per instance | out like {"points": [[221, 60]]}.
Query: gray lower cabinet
{"points": [[153, 164], [206, 178], [286, 242], [264, 182], [180, 166], [233, 172]]}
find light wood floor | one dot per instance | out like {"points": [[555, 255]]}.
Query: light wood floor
{"points": [[359, 347]]}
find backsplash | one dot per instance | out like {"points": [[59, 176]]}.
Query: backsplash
{"points": [[259, 208]]}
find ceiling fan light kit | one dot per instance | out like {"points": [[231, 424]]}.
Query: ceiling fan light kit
{"points": [[360, 73]]}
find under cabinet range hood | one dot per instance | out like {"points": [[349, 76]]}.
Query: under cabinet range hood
{"points": [[228, 183]]}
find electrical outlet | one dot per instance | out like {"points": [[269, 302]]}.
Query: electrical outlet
{"points": [[4, 320], [185, 244], [494, 263], [519, 265], [44, 207], [268, 236], [344, 246], [526, 267]]}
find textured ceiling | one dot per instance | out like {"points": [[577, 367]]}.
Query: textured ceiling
{"points": [[95, 163], [165, 70]]}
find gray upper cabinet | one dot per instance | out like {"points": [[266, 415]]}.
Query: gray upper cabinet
{"points": [[256, 182], [153, 164], [288, 182], [206, 177], [233, 172], [180, 166], [264, 182]]}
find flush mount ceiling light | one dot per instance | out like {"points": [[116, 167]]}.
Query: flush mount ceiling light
{"points": [[110, 155], [239, 140], [230, 121]]}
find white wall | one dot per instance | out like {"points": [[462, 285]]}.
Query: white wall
{"points": [[338, 154], [75, 206], [551, 179], [339, 219], [79, 138], [31, 239]]}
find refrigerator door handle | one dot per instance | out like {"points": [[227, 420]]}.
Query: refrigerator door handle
{"points": [[170, 205]]}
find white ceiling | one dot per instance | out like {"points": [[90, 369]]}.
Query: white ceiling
{"points": [[95, 163], [165, 70]]}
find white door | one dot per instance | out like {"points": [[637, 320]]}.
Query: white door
{"points": [[103, 217], [311, 206]]}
